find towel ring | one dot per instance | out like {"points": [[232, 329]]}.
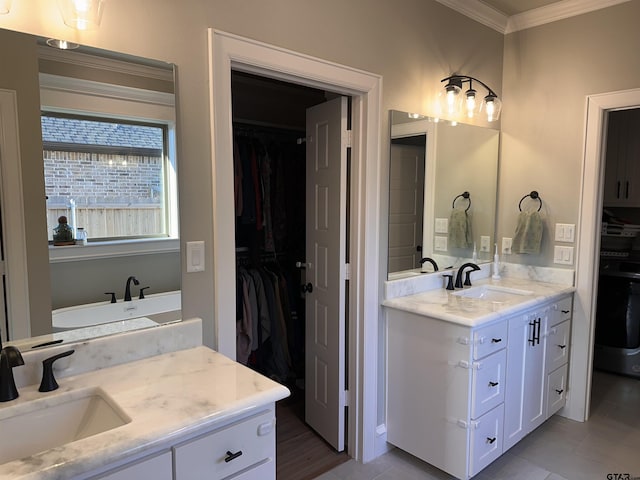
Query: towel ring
{"points": [[466, 195], [535, 196]]}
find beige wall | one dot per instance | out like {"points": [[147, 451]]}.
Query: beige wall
{"points": [[413, 44], [548, 73]]}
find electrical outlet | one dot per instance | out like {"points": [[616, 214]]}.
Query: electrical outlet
{"points": [[440, 244], [485, 243], [506, 245]]}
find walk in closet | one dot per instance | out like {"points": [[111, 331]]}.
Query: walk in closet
{"points": [[269, 118]]}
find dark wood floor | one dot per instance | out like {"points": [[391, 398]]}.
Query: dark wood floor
{"points": [[300, 453]]}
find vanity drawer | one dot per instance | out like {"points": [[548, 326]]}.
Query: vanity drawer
{"points": [[486, 439], [239, 446], [488, 383], [556, 390], [557, 346], [489, 339], [562, 310]]}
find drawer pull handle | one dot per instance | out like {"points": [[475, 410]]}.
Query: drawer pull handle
{"points": [[493, 384], [490, 440], [559, 392], [565, 311], [496, 340], [562, 347], [232, 456]]}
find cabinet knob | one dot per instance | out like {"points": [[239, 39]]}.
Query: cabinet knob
{"points": [[496, 340], [493, 384], [490, 440], [559, 392], [565, 311], [232, 456], [562, 347]]}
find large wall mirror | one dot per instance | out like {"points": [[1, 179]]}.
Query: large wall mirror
{"points": [[106, 132], [442, 193]]}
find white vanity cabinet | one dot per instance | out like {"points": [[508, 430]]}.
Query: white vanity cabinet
{"points": [[458, 397], [242, 449], [446, 386]]}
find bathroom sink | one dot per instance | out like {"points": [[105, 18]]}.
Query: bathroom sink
{"points": [[494, 293], [54, 421], [404, 274]]}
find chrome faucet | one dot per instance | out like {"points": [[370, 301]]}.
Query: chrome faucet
{"points": [[431, 261], [467, 280], [9, 357], [127, 290]]}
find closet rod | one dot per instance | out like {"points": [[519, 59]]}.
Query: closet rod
{"points": [[267, 126]]}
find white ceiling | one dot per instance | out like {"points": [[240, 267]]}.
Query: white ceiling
{"points": [[508, 16]]}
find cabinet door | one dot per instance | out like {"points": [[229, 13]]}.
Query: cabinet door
{"points": [[159, 467], [622, 182], [488, 386], [524, 398], [557, 346], [556, 390], [226, 452], [486, 440]]}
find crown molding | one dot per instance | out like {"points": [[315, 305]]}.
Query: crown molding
{"points": [[479, 12], [555, 12], [490, 17]]}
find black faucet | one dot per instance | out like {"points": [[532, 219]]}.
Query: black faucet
{"points": [[127, 290], [48, 383], [467, 280], [9, 357], [431, 261]]}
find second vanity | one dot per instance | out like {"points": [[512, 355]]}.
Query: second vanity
{"points": [[178, 411], [471, 372]]}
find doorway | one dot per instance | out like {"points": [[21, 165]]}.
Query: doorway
{"points": [[588, 253], [231, 52]]}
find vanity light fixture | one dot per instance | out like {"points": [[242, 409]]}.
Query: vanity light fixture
{"points": [[5, 6], [62, 44], [490, 104], [81, 14]]}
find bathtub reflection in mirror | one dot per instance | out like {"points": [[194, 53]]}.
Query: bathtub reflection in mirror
{"points": [[433, 165]]}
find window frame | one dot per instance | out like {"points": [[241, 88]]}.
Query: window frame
{"points": [[79, 97]]}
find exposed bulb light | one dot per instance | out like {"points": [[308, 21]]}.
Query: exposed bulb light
{"points": [[81, 14], [5, 6], [471, 102], [490, 106]]}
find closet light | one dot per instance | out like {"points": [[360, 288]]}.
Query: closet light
{"points": [[5, 6], [81, 14], [491, 105]]}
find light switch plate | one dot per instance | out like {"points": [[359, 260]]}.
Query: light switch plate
{"points": [[442, 225], [440, 244], [563, 255], [565, 232], [195, 256]]}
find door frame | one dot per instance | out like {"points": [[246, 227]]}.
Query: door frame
{"points": [[587, 259], [13, 219], [228, 51]]}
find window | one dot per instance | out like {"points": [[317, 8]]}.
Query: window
{"points": [[108, 176]]}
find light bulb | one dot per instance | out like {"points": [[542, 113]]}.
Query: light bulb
{"points": [[471, 103]]}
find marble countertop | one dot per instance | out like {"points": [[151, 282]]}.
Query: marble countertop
{"points": [[439, 303], [166, 396]]}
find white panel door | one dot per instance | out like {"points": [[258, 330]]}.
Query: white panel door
{"points": [[406, 200], [325, 271]]}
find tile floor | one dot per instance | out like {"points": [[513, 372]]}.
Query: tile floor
{"points": [[560, 449]]}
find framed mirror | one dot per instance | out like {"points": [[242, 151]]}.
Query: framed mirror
{"points": [[442, 193], [103, 133]]}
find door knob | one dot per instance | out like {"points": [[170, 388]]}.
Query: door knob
{"points": [[308, 288]]}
